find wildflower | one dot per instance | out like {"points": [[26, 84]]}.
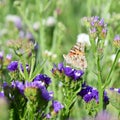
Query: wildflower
{"points": [[89, 93], [29, 36], [48, 116], [83, 38], [1, 94], [1, 55], [115, 89], [15, 19], [101, 22], [73, 73], [114, 95], [117, 41], [13, 66], [103, 33], [58, 68], [21, 34], [67, 71], [104, 115], [36, 26], [18, 85], [98, 28], [57, 106], [9, 57], [51, 21], [44, 78], [33, 87], [93, 33], [112, 57]]}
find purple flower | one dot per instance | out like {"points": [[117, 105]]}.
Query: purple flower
{"points": [[48, 116], [27, 68], [69, 71], [88, 93], [95, 18], [115, 89], [93, 31], [59, 68], [104, 115], [57, 106], [15, 19], [117, 38], [1, 55], [1, 94], [46, 95], [19, 85], [88, 97], [73, 73], [29, 36], [44, 78], [40, 86], [77, 74], [101, 22], [13, 66], [9, 57], [117, 41], [34, 84]]}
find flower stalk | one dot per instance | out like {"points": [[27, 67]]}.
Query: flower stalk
{"points": [[108, 80]]}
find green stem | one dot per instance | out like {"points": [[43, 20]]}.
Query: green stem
{"points": [[100, 84], [108, 80], [27, 22]]}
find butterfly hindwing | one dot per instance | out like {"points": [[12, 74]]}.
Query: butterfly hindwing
{"points": [[76, 57]]}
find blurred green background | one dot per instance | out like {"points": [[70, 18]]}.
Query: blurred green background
{"points": [[59, 37]]}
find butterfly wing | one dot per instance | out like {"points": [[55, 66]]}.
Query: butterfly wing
{"points": [[76, 57]]}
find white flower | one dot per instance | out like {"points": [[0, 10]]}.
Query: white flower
{"points": [[51, 21], [112, 57], [36, 26], [83, 38], [106, 43]]}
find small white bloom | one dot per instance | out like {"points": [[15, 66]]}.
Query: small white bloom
{"points": [[54, 56], [51, 21], [36, 26], [106, 43], [83, 38], [113, 58]]}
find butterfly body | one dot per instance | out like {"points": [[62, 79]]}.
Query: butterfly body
{"points": [[76, 57]]}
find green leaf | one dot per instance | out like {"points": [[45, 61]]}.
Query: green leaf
{"points": [[38, 70]]}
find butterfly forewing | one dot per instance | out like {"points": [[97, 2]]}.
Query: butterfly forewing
{"points": [[76, 57]]}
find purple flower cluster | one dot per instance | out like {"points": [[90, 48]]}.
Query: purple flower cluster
{"points": [[68, 71], [115, 89], [16, 20], [89, 93], [57, 106], [38, 85], [13, 66], [97, 27], [44, 78], [117, 40]]}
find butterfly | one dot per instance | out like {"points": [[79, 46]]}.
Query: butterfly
{"points": [[76, 57]]}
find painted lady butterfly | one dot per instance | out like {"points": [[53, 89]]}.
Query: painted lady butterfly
{"points": [[76, 57]]}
